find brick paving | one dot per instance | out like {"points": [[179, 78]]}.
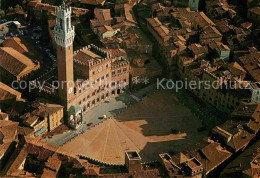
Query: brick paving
{"points": [[144, 127]]}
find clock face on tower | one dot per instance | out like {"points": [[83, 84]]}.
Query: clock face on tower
{"points": [[70, 90]]}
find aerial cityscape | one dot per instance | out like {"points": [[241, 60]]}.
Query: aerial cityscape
{"points": [[130, 88]]}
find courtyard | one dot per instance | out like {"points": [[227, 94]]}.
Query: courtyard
{"points": [[145, 126]]}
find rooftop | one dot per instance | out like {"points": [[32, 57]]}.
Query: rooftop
{"points": [[15, 63], [133, 155], [251, 63], [85, 56], [102, 14], [7, 92], [255, 10], [15, 43]]}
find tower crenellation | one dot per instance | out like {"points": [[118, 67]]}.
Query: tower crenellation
{"points": [[64, 32]]}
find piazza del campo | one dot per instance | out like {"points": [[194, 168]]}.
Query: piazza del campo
{"points": [[130, 88]]}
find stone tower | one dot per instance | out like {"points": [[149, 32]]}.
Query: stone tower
{"points": [[64, 35], [194, 5]]}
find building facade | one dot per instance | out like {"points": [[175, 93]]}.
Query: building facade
{"points": [[43, 118], [87, 77]]}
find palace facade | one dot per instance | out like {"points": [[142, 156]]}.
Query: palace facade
{"points": [[87, 77]]}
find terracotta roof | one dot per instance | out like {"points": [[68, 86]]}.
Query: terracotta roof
{"points": [[48, 173], [116, 52], [255, 10], [15, 43], [8, 130], [31, 120], [43, 110], [198, 49], [127, 9], [218, 45], [223, 26], [251, 62], [194, 165], [102, 14], [235, 69], [180, 158], [18, 162], [247, 110], [198, 71], [211, 4], [215, 155], [3, 116], [105, 28], [91, 172], [222, 132], [120, 63], [53, 163], [25, 131], [85, 56], [154, 22], [161, 30], [44, 154], [38, 6], [92, 2], [210, 32], [241, 135], [246, 25], [15, 63], [79, 11], [246, 164], [49, 155], [32, 3], [136, 71], [7, 92], [97, 23], [240, 140], [48, 7], [197, 18], [256, 114], [202, 19], [254, 125], [118, 20]]}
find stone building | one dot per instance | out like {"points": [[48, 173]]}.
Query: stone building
{"points": [[255, 90], [182, 166], [43, 118], [133, 161], [88, 76]]}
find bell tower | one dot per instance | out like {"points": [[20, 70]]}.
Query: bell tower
{"points": [[64, 35]]}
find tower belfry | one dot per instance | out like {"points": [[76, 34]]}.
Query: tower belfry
{"points": [[64, 36]]}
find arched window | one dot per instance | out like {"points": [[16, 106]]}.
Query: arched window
{"points": [[67, 23], [61, 23]]}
